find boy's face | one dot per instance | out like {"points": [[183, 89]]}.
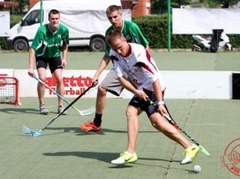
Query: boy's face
{"points": [[121, 46], [115, 18], [54, 21]]}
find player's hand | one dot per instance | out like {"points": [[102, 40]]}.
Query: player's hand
{"points": [[64, 63], [141, 94], [31, 72], [95, 82], [162, 110]]}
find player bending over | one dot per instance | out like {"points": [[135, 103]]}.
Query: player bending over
{"points": [[133, 61]]}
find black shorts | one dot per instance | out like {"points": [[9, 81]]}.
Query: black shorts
{"points": [[54, 63], [145, 105]]}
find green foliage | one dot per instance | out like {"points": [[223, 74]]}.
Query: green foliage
{"points": [[235, 40], [14, 19], [160, 6], [154, 29], [3, 43], [22, 4]]}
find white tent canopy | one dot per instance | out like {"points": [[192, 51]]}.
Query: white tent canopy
{"points": [[203, 20]]}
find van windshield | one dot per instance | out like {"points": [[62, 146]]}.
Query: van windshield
{"points": [[32, 18]]}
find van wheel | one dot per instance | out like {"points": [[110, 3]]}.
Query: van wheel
{"points": [[97, 44], [20, 45]]}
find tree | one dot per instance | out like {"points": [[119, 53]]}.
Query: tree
{"points": [[22, 4], [160, 6], [222, 3]]}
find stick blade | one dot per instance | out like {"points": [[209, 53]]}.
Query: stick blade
{"points": [[204, 150], [87, 112], [30, 132]]}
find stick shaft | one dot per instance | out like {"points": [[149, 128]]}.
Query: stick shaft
{"points": [[171, 121], [56, 93], [68, 106]]}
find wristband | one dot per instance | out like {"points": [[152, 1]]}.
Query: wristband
{"points": [[161, 102]]}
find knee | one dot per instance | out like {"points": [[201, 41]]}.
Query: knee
{"points": [[59, 81], [101, 91], [157, 125], [154, 125], [42, 78], [130, 113]]}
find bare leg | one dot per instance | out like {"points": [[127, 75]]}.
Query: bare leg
{"points": [[60, 86], [101, 100], [132, 114], [130, 156], [170, 131], [40, 86]]}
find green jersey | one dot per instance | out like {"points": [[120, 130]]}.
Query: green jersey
{"points": [[47, 44], [131, 32]]}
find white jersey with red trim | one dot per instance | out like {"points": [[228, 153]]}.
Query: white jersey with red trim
{"points": [[139, 66]]}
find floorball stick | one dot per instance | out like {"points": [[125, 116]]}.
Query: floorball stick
{"points": [[36, 133], [81, 112], [171, 121]]}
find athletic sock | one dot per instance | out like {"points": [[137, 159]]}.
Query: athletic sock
{"points": [[97, 120]]}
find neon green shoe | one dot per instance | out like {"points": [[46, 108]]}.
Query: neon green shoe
{"points": [[190, 154], [124, 158]]}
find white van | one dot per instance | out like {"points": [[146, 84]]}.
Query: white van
{"points": [[86, 21]]}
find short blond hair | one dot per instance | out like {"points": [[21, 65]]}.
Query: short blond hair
{"points": [[113, 8], [113, 35]]}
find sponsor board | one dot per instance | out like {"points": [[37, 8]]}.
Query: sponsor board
{"points": [[180, 84]]}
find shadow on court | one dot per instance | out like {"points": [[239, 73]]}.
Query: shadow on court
{"points": [[19, 110], [104, 156], [79, 132], [101, 156]]}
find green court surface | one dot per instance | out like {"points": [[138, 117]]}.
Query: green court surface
{"points": [[64, 151], [222, 61]]}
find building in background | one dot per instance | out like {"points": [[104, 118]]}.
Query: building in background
{"points": [[7, 5], [32, 3], [138, 7]]}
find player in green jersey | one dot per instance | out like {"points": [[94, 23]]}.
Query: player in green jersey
{"points": [[50, 41], [111, 84]]}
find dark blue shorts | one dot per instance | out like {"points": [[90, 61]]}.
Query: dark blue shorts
{"points": [[54, 63], [145, 105]]}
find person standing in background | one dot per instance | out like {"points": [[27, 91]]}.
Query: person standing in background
{"points": [[132, 33], [49, 41]]}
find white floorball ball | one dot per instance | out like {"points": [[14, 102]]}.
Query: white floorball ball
{"points": [[197, 168]]}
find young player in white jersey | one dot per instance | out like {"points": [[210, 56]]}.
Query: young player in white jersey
{"points": [[134, 62]]}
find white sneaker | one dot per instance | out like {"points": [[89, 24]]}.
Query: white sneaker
{"points": [[60, 109], [43, 109], [124, 158]]}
